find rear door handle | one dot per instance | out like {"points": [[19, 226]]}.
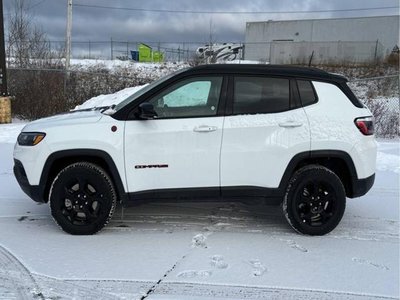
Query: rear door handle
{"points": [[290, 124], [205, 128]]}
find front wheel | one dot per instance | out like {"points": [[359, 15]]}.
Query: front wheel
{"points": [[315, 200], [82, 198]]}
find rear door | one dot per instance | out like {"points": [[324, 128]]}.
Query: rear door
{"points": [[266, 129], [181, 148]]}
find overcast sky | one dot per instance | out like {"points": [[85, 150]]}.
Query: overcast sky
{"points": [[97, 24]]}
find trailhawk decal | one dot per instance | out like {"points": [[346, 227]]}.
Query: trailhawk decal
{"points": [[150, 166]]}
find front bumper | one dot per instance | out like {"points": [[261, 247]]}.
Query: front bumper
{"points": [[33, 191]]}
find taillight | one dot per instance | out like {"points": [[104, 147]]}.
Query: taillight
{"points": [[365, 125]]}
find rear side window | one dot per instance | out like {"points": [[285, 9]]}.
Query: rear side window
{"points": [[260, 95], [307, 93]]}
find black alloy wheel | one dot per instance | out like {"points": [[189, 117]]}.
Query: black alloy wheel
{"points": [[82, 198], [315, 200], [315, 203]]}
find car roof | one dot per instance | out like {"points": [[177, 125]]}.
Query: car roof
{"points": [[263, 69]]}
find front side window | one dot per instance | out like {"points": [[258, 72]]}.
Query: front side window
{"points": [[192, 97], [253, 95]]}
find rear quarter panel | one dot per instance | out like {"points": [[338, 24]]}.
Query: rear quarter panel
{"points": [[332, 127]]}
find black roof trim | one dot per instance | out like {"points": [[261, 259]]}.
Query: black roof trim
{"points": [[261, 69]]}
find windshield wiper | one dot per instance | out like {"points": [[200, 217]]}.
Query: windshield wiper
{"points": [[107, 110]]}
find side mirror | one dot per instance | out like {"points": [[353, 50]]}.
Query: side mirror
{"points": [[146, 111]]}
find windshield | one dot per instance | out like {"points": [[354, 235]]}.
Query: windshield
{"points": [[146, 89]]}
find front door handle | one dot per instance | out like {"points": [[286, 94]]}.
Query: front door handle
{"points": [[205, 128], [290, 124]]}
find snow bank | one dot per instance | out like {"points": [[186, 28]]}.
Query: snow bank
{"points": [[110, 99]]}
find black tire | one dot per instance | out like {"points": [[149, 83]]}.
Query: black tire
{"points": [[315, 200], [82, 198]]}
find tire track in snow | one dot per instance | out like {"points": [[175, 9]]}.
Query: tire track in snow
{"points": [[222, 291], [17, 282], [54, 288], [238, 217], [15, 278]]}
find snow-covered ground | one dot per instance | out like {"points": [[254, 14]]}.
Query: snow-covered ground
{"points": [[201, 250]]}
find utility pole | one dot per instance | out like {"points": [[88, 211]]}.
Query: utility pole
{"points": [[112, 49], [3, 71], [68, 36], [210, 45], [5, 103]]}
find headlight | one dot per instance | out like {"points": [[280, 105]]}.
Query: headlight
{"points": [[30, 138]]}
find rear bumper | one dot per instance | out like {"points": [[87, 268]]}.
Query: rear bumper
{"points": [[362, 186], [33, 191]]}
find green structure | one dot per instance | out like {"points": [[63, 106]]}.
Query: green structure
{"points": [[158, 56], [146, 54]]}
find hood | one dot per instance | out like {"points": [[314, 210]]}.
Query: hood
{"points": [[65, 119]]}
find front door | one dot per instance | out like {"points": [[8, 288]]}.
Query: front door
{"points": [[180, 149]]}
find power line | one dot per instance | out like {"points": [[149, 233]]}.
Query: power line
{"points": [[36, 4], [230, 12], [33, 5]]}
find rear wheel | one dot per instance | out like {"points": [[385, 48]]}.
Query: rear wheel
{"points": [[315, 200], [82, 198]]}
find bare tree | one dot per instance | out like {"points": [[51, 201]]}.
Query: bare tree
{"points": [[36, 90], [27, 43]]}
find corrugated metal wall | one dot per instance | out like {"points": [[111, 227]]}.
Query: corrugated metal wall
{"points": [[357, 40], [321, 52]]}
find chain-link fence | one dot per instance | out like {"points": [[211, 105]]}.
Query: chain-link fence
{"points": [[277, 52], [381, 95], [117, 49]]}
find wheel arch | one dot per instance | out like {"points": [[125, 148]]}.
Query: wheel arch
{"points": [[337, 161], [59, 160]]}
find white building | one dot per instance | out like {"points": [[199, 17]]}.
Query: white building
{"points": [[332, 40]]}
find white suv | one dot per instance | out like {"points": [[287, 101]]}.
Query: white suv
{"points": [[296, 135]]}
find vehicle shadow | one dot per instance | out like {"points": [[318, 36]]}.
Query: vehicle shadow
{"points": [[207, 216]]}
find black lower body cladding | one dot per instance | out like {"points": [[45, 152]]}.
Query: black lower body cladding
{"points": [[33, 191]]}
